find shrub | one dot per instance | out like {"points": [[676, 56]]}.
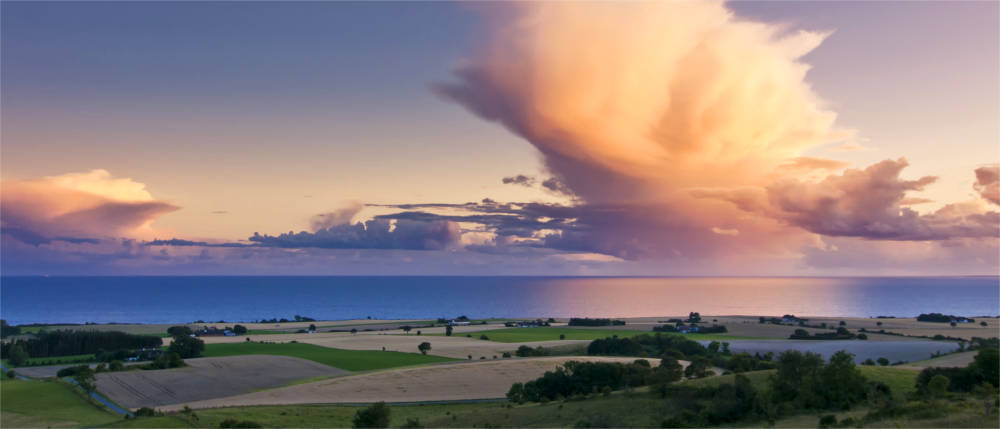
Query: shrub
{"points": [[233, 423], [447, 330], [375, 416], [412, 423], [145, 412], [424, 347]]}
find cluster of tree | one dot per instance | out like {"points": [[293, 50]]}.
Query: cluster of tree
{"points": [[536, 322], [647, 345], [64, 343], [942, 318], [802, 382], [714, 329], [584, 378], [693, 317], [186, 347], [525, 351], [297, 318], [841, 334], [586, 321], [462, 318], [7, 330], [985, 368]]}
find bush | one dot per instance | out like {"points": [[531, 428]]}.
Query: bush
{"points": [[145, 412], [233, 423], [240, 330], [828, 421], [375, 416], [412, 423], [424, 347]]}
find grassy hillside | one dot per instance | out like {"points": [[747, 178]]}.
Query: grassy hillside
{"points": [[47, 404], [351, 360], [524, 335]]}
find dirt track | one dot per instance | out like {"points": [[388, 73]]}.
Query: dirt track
{"points": [[472, 380], [207, 378]]}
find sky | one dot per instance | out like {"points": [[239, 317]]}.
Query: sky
{"points": [[536, 138]]}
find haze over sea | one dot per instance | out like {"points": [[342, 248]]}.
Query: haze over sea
{"points": [[211, 298]]}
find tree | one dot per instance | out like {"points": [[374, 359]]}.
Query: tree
{"points": [[878, 323], [883, 361], [668, 371], [187, 347], [516, 393], [983, 323], [447, 330], [116, 365], [179, 331], [843, 323], [424, 347], [562, 336], [938, 386], [375, 416], [312, 327], [240, 330], [412, 423], [407, 329], [354, 331], [17, 356], [85, 378], [7, 330], [698, 367]]}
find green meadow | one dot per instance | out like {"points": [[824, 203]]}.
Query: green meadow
{"points": [[550, 333], [351, 360], [37, 403]]}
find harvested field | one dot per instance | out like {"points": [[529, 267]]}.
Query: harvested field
{"points": [[453, 346], [954, 360], [895, 351], [473, 380], [750, 326], [207, 378]]}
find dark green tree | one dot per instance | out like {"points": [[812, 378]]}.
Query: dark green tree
{"points": [[17, 356], [187, 347], [375, 416], [240, 330], [424, 347], [179, 331]]}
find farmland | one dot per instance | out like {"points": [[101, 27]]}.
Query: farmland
{"points": [[550, 333], [350, 360], [48, 403]]}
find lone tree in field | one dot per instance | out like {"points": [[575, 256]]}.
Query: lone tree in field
{"points": [[375, 416], [354, 331], [448, 329], [407, 329], [240, 330], [312, 327], [424, 347]]}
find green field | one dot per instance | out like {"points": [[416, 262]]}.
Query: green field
{"points": [[901, 381], [48, 403], [545, 333], [351, 360]]}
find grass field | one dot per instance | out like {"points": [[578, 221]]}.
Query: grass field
{"points": [[149, 422], [901, 381], [524, 335], [48, 404], [351, 360]]}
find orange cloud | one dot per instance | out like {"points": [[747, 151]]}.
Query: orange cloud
{"points": [[79, 205]]}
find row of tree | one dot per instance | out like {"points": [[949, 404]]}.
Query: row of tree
{"points": [[66, 342]]}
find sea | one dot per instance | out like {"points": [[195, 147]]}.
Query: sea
{"points": [[25, 300]]}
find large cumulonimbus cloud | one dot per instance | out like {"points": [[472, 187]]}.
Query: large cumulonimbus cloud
{"points": [[681, 129], [78, 207]]}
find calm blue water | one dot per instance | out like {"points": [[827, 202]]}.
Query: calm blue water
{"points": [[185, 299]]}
